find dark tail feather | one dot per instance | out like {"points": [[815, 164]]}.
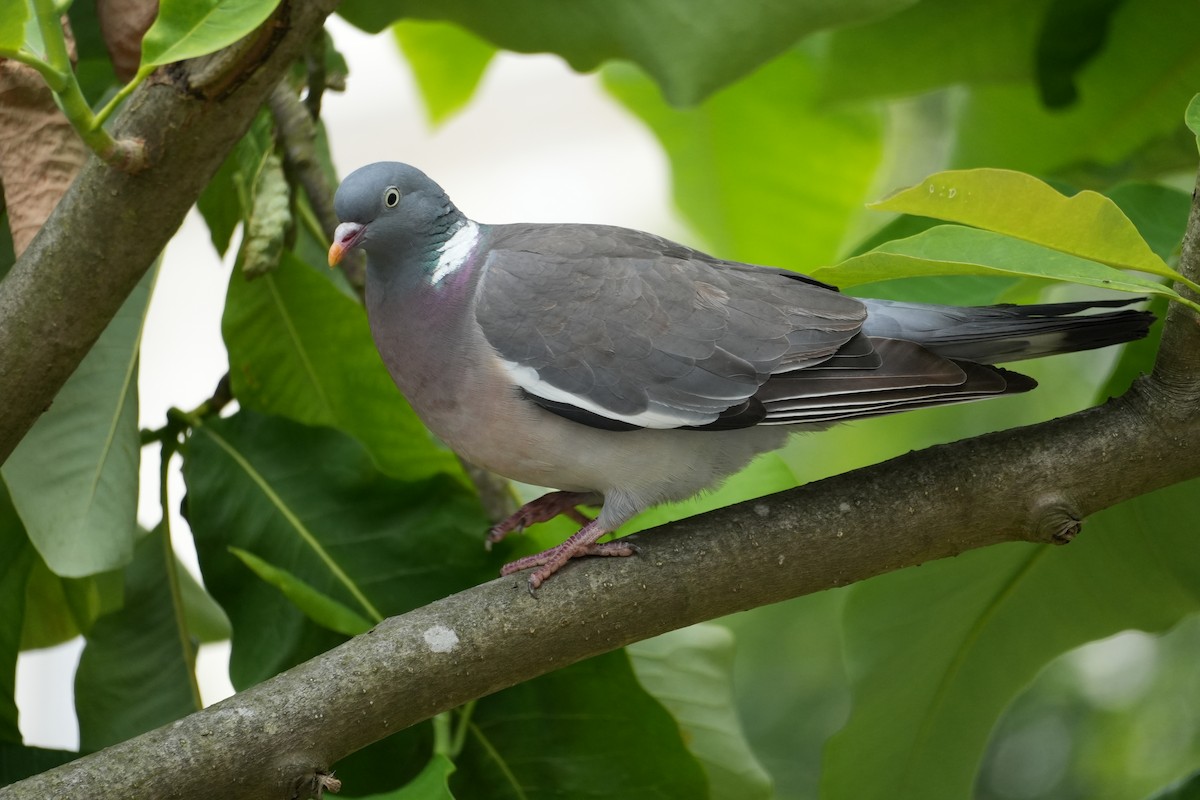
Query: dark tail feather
{"points": [[1002, 333]]}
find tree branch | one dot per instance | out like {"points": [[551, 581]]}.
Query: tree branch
{"points": [[110, 225], [275, 739]]}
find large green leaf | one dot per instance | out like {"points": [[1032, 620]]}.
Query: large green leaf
{"points": [[790, 685], [690, 47], [689, 671], [1159, 212], [1185, 789], [192, 28], [18, 762], [955, 250], [1192, 118], [229, 195], [588, 730], [135, 671], [311, 502], [320, 608], [763, 172], [1131, 93], [74, 477], [1088, 224], [932, 44], [301, 348], [58, 609], [936, 653], [431, 784], [447, 62], [1072, 33], [13, 14], [15, 567]]}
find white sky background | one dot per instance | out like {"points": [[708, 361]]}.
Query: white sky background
{"points": [[538, 143]]}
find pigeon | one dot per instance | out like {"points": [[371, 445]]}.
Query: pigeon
{"points": [[626, 370]]}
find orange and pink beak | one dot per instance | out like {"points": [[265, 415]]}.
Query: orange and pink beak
{"points": [[348, 236]]}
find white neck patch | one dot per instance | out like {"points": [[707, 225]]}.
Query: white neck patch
{"points": [[454, 253]]}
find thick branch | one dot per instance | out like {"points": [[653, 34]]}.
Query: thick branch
{"points": [[110, 226]]}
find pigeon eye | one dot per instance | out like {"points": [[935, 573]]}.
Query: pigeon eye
{"points": [[391, 197]]}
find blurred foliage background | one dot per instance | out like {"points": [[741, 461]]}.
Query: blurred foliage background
{"points": [[319, 505]]}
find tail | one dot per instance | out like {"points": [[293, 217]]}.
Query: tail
{"points": [[1003, 333]]}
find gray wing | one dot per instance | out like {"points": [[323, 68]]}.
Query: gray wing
{"points": [[618, 328]]}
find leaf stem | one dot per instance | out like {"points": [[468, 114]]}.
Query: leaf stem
{"points": [[464, 726], [53, 77], [188, 650], [308, 218], [103, 114], [441, 734]]}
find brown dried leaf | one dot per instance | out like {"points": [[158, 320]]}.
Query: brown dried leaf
{"points": [[123, 23], [39, 151]]}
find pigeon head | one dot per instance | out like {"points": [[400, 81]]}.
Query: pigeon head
{"points": [[388, 206]]}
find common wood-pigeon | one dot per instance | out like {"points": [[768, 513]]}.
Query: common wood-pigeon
{"points": [[627, 370]]}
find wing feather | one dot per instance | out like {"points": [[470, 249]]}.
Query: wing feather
{"points": [[642, 331]]}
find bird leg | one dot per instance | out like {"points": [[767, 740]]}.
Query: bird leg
{"points": [[544, 509], [581, 543]]}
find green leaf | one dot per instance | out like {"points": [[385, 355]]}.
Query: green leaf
{"points": [[18, 762], [320, 608], [1072, 32], [58, 609], [74, 477], [300, 348], [1159, 212], [932, 44], [220, 204], [447, 62], [1187, 788], [19, 557], [431, 784], [1192, 118], [205, 620], [1088, 224], [229, 196], [689, 671], [761, 158], [936, 653], [192, 28], [135, 673], [7, 256], [311, 502], [13, 14], [955, 250], [690, 47], [588, 730], [1130, 94], [790, 685]]}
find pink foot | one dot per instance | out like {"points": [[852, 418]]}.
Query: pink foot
{"points": [[581, 543], [544, 509]]}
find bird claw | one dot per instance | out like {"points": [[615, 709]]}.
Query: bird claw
{"points": [[543, 509], [550, 561]]}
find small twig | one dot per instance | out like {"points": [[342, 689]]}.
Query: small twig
{"points": [[314, 60], [297, 135]]}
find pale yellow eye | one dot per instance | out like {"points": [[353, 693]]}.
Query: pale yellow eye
{"points": [[391, 197]]}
